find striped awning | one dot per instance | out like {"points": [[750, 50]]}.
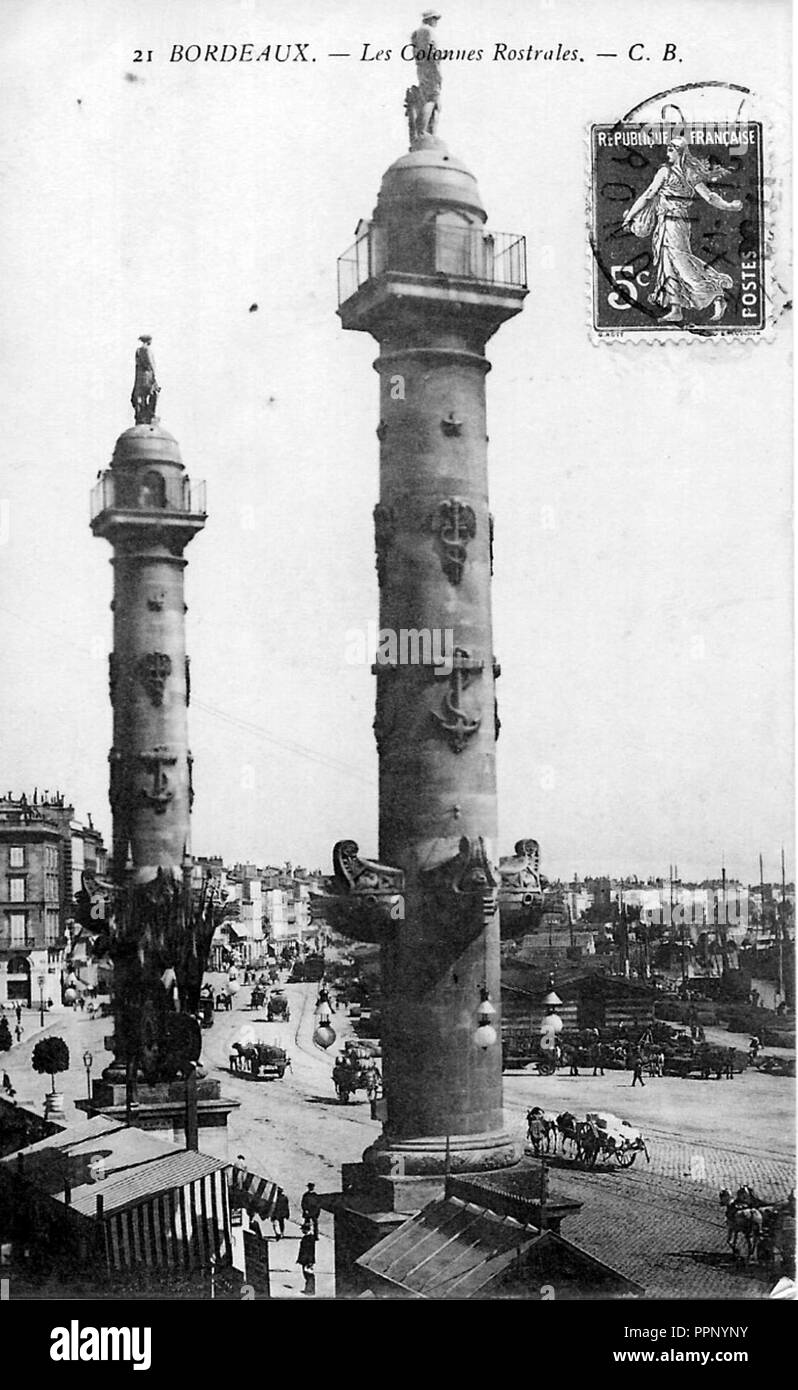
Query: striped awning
{"points": [[184, 1228], [251, 1193]]}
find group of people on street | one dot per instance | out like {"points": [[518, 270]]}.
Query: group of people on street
{"points": [[310, 1207]]}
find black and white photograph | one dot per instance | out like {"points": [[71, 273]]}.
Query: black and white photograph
{"points": [[397, 835]]}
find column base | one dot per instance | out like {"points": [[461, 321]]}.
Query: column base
{"points": [[436, 1156], [393, 1183]]}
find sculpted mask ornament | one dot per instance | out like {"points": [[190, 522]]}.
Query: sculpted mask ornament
{"points": [[153, 670], [159, 794], [465, 885]]}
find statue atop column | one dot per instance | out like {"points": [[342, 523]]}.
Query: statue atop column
{"points": [[144, 398], [423, 102]]}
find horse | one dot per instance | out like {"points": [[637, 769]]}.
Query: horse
{"points": [[741, 1221], [567, 1126], [589, 1142]]}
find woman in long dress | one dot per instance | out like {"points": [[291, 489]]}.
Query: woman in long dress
{"points": [[682, 281]]}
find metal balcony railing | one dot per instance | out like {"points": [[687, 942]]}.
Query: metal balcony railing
{"points": [[152, 494], [470, 253]]}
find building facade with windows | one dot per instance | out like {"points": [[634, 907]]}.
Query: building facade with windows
{"points": [[43, 851]]}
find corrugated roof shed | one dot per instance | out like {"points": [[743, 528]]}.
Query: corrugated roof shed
{"points": [[451, 1249]]}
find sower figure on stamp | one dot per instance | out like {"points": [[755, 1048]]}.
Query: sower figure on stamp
{"points": [[681, 280], [144, 398], [423, 102]]}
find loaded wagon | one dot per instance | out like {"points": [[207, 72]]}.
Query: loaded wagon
{"points": [[277, 1007], [259, 1060]]}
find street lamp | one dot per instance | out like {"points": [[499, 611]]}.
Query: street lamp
{"points": [[42, 982], [88, 1059], [485, 1035]]}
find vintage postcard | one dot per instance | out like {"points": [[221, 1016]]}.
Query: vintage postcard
{"points": [[397, 861]]}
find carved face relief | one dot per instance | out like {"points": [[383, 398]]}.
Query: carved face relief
{"points": [[159, 793], [153, 670], [156, 598]]}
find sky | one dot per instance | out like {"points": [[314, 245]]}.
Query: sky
{"points": [[642, 493]]}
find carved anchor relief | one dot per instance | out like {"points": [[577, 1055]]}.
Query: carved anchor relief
{"points": [[454, 524], [161, 794], [384, 534], [455, 722], [153, 670]]}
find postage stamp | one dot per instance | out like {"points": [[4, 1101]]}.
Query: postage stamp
{"points": [[677, 234]]}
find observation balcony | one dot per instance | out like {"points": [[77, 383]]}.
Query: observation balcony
{"points": [[464, 253], [152, 493], [435, 262]]}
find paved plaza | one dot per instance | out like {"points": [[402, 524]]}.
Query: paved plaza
{"points": [[702, 1135]]}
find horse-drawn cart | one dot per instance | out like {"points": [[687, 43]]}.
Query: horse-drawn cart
{"points": [[259, 1060], [278, 1007], [597, 1136], [617, 1139]]}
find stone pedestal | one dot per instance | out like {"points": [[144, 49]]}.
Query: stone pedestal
{"points": [[161, 1109]]}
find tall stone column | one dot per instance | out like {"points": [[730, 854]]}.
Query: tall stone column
{"points": [[161, 922], [148, 516], [432, 286]]}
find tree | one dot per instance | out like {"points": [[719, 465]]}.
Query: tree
{"points": [[5, 1035], [50, 1055]]}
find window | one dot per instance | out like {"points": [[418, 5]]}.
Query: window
{"points": [[16, 857], [50, 857], [50, 888], [16, 890], [50, 928], [17, 922]]}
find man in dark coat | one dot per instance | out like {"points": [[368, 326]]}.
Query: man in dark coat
{"points": [[311, 1206], [637, 1068], [306, 1258], [280, 1214]]}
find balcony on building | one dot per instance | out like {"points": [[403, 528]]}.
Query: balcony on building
{"points": [[436, 260]]}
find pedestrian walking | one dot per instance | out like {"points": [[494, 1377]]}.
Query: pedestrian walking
{"points": [[373, 1087], [573, 1058], [729, 1073], [306, 1259], [280, 1215], [311, 1206], [597, 1058], [18, 1012], [753, 1048], [18, 1031], [637, 1068]]}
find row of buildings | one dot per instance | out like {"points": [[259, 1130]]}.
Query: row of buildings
{"points": [[261, 907], [44, 850], [44, 853]]}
